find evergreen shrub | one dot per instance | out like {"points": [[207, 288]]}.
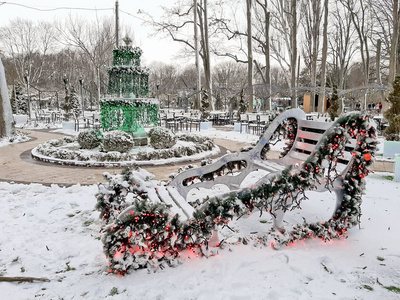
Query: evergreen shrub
{"points": [[162, 138], [90, 139], [118, 141]]}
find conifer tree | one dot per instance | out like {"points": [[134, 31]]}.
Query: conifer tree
{"points": [[13, 101], [242, 105], [205, 104], [75, 105], [392, 132], [71, 104], [19, 102], [333, 110]]}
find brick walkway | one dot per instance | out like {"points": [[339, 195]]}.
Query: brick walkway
{"points": [[17, 165]]}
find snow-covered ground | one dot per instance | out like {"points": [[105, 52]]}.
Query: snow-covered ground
{"points": [[18, 137], [53, 232]]}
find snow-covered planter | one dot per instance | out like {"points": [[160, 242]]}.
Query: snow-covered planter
{"points": [[162, 138], [391, 148], [118, 141], [206, 125], [194, 144], [90, 139], [68, 125], [20, 119], [178, 151], [67, 150]]}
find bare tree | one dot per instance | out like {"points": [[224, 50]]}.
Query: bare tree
{"points": [[249, 6], [324, 54], [311, 21], [284, 40], [262, 37], [394, 41], [164, 76], [177, 21], [94, 39], [27, 43], [341, 45], [361, 19]]}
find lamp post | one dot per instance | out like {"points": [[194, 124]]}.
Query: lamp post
{"points": [[65, 79], [83, 102], [26, 78], [58, 104]]}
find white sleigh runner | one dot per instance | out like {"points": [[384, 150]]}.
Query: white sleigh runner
{"points": [[160, 223]]}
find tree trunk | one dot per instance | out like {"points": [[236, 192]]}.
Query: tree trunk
{"points": [[315, 45], [98, 84], [207, 63], [6, 128], [266, 48], [324, 55], [250, 89], [394, 42], [196, 47], [378, 61], [293, 58]]}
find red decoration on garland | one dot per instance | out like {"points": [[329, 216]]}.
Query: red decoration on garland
{"points": [[367, 156]]}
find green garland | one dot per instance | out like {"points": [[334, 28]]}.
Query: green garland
{"points": [[145, 234], [126, 76], [128, 115], [126, 55]]}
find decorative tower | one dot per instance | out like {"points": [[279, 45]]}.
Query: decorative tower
{"points": [[126, 77], [128, 107]]}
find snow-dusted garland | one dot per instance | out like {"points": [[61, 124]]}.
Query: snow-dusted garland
{"points": [[52, 148], [147, 235], [129, 102], [131, 70]]}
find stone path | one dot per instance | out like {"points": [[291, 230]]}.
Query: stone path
{"points": [[17, 165]]}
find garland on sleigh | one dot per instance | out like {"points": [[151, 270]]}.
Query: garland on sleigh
{"points": [[141, 232]]}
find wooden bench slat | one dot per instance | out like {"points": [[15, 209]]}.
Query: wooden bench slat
{"points": [[166, 198], [304, 146], [314, 124], [309, 135], [269, 166], [298, 155], [179, 200]]}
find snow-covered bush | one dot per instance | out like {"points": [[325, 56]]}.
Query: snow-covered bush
{"points": [[178, 151], [118, 141], [162, 138], [90, 139], [197, 139]]}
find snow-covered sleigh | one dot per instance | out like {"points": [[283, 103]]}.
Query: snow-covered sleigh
{"points": [[148, 223]]}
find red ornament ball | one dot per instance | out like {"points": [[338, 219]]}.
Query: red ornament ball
{"points": [[367, 156]]}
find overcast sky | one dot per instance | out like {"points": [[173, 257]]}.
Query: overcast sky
{"points": [[154, 49]]}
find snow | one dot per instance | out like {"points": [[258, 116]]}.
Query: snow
{"points": [[17, 137], [230, 135], [53, 232]]}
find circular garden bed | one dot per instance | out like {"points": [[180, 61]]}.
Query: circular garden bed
{"points": [[117, 149]]}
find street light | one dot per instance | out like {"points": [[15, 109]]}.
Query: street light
{"points": [[26, 78], [65, 79], [83, 102]]}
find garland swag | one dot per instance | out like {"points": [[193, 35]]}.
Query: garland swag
{"points": [[142, 233]]}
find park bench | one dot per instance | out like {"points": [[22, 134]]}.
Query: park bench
{"points": [[309, 137]]}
